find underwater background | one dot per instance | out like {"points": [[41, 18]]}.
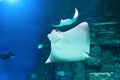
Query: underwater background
{"points": [[24, 24]]}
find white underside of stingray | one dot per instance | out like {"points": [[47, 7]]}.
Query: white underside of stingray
{"points": [[71, 45], [68, 21]]}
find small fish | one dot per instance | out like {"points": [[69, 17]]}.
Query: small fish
{"points": [[40, 46], [7, 56]]}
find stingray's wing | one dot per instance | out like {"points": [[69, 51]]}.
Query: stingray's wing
{"points": [[83, 27], [80, 32]]}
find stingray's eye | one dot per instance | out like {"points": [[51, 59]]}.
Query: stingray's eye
{"points": [[57, 30]]}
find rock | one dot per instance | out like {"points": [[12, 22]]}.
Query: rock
{"points": [[107, 57], [115, 75], [100, 76], [32, 76], [105, 35], [79, 71], [63, 71], [43, 72], [110, 68], [93, 63], [95, 51], [93, 35]]}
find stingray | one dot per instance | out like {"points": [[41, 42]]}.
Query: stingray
{"points": [[71, 45], [68, 21]]}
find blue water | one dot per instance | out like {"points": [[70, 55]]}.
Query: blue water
{"points": [[20, 34]]}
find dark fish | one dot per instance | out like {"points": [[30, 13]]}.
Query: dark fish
{"points": [[7, 56]]}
